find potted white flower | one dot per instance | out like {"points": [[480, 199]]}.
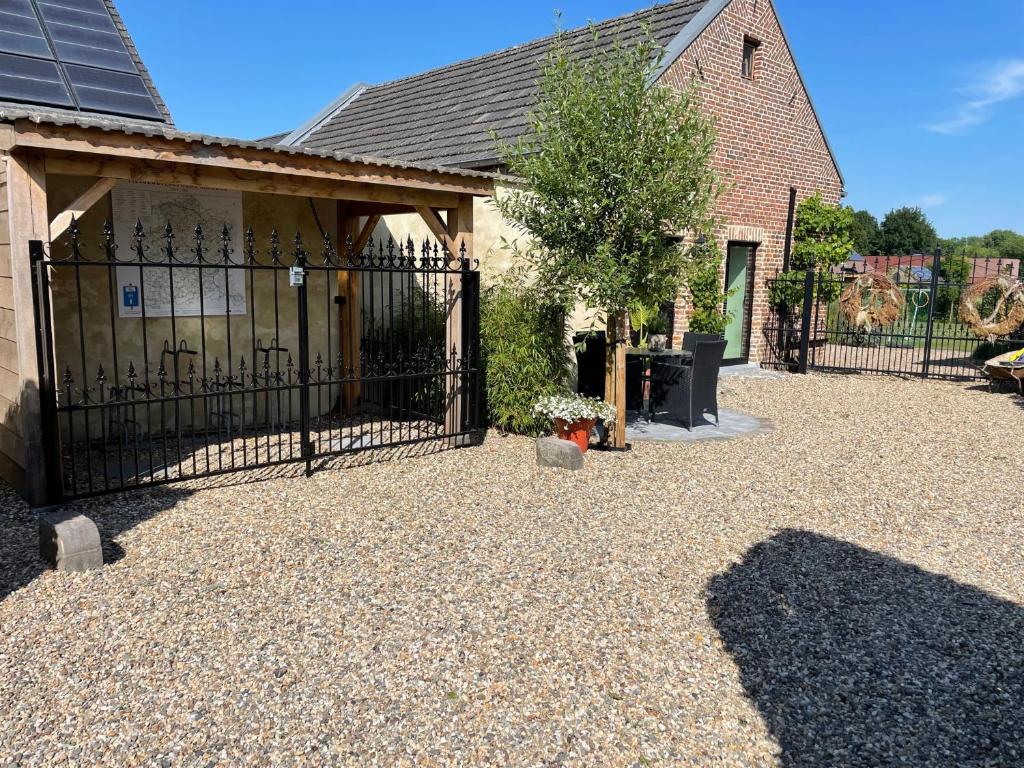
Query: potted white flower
{"points": [[574, 416]]}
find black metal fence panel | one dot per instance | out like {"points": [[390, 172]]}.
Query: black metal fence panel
{"points": [[928, 340], [245, 360]]}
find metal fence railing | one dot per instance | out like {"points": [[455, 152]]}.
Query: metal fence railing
{"points": [[927, 340]]}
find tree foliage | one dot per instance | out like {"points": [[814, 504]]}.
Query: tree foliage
{"points": [[907, 230], [955, 271], [865, 233], [525, 353], [821, 239], [702, 275], [610, 165], [821, 234], [1006, 243]]}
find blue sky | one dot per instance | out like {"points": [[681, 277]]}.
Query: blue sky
{"points": [[923, 100]]}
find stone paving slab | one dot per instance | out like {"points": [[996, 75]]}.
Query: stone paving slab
{"points": [[667, 429]]}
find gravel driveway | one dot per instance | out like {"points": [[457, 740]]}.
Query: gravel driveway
{"points": [[844, 591]]}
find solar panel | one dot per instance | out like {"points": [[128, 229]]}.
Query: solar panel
{"points": [[105, 91], [69, 53], [86, 37], [32, 80], [20, 31]]}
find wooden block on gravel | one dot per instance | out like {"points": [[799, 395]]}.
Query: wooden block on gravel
{"points": [[69, 541], [560, 454]]}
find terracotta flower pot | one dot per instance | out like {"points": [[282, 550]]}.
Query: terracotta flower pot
{"points": [[578, 432]]}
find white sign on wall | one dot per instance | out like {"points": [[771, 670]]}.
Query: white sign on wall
{"points": [[184, 208]]}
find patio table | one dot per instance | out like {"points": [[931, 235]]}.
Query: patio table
{"points": [[647, 357]]}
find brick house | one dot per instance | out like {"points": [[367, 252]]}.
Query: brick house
{"points": [[770, 137]]}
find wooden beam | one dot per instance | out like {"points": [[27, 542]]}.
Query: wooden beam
{"points": [[437, 225], [197, 152], [246, 181], [26, 205], [364, 235], [458, 234], [349, 314], [382, 209], [615, 376], [85, 201]]}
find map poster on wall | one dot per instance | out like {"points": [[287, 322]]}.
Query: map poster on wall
{"points": [[184, 208]]}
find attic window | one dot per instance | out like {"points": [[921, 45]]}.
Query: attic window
{"points": [[750, 47]]}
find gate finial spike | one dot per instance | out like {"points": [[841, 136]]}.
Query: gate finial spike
{"points": [[275, 246], [169, 248], [250, 245], [226, 248], [74, 245], [199, 237], [139, 236], [109, 246], [329, 252]]}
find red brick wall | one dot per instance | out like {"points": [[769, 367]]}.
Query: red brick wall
{"points": [[768, 138]]}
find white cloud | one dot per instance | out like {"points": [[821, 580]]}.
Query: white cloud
{"points": [[933, 200], [1003, 83]]}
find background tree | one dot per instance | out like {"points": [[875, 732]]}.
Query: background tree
{"points": [[1006, 243], [865, 233], [611, 165], [907, 230], [955, 273]]}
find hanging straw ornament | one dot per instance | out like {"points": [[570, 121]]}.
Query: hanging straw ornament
{"points": [[871, 301], [1007, 315]]}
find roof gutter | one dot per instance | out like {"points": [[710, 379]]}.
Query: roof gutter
{"points": [[303, 132]]}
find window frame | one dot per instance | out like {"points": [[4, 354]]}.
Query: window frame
{"points": [[753, 45]]}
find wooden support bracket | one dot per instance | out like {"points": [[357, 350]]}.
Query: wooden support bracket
{"points": [[364, 234], [85, 201], [437, 226]]}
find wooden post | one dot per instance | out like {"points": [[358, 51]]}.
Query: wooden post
{"points": [[349, 309], [615, 376], [26, 203], [459, 228]]}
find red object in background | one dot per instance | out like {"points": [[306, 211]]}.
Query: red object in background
{"points": [[578, 432]]}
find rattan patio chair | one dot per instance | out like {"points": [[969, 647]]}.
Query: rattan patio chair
{"points": [[691, 390]]}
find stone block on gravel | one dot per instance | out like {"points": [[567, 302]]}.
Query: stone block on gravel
{"points": [[560, 454], [70, 541]]}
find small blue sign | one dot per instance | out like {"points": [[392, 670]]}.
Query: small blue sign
{"points": [[131, 297]]}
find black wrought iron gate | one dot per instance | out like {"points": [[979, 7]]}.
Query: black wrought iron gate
{"points": [[808, 332], [163, 361]]}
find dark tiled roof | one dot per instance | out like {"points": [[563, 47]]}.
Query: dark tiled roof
{"points": [[275, 138], [132, 127], [446, 115]]}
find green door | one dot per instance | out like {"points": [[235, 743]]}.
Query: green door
{"points": [[736, 266]]}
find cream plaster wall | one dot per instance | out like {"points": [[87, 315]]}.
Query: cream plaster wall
{"points": [[262, 212]]}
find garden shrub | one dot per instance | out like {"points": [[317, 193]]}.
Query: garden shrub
{"points": [[702, 276], [821, 239], [525, 353]]}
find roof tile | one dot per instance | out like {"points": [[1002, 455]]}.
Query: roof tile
{"points": [[445, 116]]}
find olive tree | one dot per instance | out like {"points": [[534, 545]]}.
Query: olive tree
{"points": [[610, 166]]}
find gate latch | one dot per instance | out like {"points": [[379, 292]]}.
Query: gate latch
{"points": [[296, 276]]}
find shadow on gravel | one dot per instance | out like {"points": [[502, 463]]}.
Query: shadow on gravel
{"points": [[20, 562], [19, 533], [855, 658]]}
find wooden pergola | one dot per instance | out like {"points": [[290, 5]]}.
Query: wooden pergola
{"points": [[364, 189]]}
